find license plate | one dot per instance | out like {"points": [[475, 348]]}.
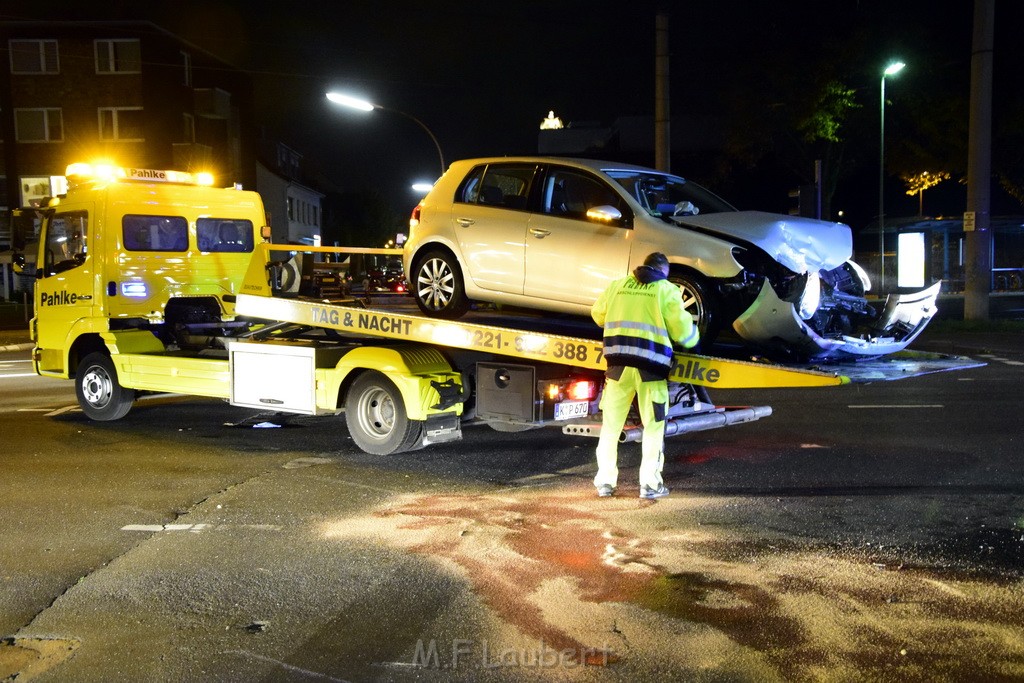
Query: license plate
{"points": [[566, 410]]}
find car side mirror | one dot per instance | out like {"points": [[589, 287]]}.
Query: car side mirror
{"points": [[604, 213], [18, 263]]}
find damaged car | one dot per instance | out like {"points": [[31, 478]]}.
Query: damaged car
{"points": [[551, 233]]}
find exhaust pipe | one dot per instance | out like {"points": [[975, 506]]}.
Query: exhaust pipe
{"points": [[701, 422]]}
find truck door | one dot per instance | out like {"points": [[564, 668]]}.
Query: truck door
{"points": [[66, 275]]}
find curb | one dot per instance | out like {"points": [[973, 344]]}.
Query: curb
{"points": [[11, 348]]}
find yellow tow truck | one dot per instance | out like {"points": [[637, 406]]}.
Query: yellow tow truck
{"points": [[150, 281]]}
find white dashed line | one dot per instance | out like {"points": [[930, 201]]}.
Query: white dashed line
{"points": [[893, 405]]}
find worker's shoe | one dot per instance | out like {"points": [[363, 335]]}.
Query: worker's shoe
{"points": [[650, 494], [605, 491]]}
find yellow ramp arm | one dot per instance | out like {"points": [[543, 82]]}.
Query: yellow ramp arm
{"points": [[577, 352]]}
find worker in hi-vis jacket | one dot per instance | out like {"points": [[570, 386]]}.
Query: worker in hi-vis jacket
{"points": [[643, 316]]}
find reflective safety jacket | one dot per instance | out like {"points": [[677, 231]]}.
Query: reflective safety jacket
{"points": [[642, 315]]}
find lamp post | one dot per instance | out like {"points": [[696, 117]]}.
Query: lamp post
{"points": [[363, 105], [890, 70]]}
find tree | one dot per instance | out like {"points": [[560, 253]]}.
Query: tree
{"points": [[917, 183]]}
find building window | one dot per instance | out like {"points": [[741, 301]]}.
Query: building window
{"points": [[121, 123], [291, 209], [34, 57], [188, 128], [118, 57], [187, 63], [38, 125]]}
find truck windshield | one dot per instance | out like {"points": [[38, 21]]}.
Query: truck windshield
{"points": [[661, 194]]}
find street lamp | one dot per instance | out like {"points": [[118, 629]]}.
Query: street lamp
{"points": [[363, 105], [890, 70]]}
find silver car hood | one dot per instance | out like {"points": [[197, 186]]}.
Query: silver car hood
{"points": [[804, 245]]}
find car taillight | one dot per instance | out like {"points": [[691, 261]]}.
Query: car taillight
{"points": [[414, 219]]}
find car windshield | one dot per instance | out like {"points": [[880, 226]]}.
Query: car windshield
{"points": [[664, 195]]}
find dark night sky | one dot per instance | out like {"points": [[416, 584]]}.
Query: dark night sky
{"points": [[481, 75]]}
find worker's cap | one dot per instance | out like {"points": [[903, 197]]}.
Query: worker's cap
{"points": [[656, 260]]}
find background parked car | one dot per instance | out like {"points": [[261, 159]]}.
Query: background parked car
{"points": [[550, 233]]}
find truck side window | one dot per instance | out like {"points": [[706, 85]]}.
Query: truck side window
{"points": [[66, 241], [154, 233], [225, 234]]}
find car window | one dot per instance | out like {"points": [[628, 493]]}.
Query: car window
{"points": [[154, 233], [469, 190], [506, 185], [570, 194], [224, 234], [661, 194]]}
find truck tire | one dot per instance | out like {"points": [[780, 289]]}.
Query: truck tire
{"points": [[100, 395], [376, 416]]}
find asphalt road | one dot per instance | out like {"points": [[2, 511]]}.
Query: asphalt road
{"points": [[868, 532]]}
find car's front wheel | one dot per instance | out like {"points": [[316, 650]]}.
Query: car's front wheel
{"points": [[438, 287], [699, 303]]}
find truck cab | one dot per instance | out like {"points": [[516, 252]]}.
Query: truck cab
{"points": [[137, 249]]}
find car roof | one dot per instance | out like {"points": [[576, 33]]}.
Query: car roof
{"points": [[592, 164]]}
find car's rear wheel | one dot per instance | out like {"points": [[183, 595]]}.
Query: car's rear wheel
{"points": [[699, 303], [438, 286]]}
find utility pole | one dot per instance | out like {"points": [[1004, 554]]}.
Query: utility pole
{"points": [[977, 237], [662, 141]]}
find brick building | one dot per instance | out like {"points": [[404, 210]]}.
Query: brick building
{"points": [[128, 92]]}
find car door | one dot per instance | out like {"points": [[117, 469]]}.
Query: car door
{"points": [[489, 220], [572, 256]]}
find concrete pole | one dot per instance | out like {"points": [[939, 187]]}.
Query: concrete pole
{"points": [[662, 141], [978, 242]]}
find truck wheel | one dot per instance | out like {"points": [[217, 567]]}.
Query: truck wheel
{"points": [[100, 395], [376, 417], [438, 287]]}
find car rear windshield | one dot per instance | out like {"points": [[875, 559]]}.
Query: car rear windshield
{"points": [[661, 194]]}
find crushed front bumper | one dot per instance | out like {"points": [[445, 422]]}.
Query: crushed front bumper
{"points": [[775, 325]]}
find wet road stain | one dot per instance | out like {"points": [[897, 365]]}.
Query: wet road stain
{"points": [[577, 573], [748, 614]]}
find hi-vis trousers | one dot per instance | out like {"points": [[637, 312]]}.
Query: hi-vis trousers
{"points": [[652, 398]]}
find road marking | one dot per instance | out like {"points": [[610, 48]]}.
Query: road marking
{"points": [[196, 528], [893, 405], [19, 374], [285, 666], [1000, 359], [61, 411]]}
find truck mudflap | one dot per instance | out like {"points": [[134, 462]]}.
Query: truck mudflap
{"points": [[441, 428]]}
